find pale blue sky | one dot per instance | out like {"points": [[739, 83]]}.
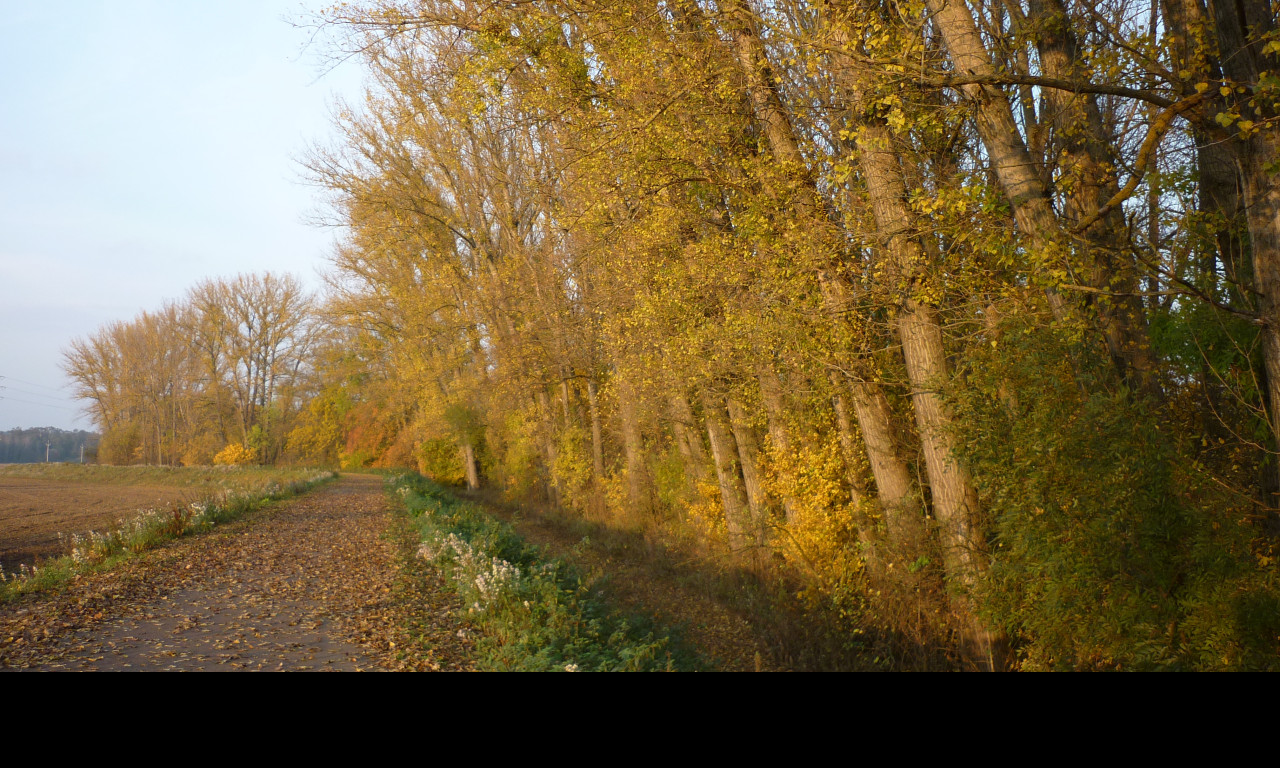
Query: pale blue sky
{"points": [[144, 146]]}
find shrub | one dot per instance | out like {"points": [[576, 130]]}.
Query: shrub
{"points": [[439, 459], [120, 445], [234, 455], [1111, 549]]}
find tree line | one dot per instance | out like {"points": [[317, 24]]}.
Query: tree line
{"points": [[963, 308], [33, 446], [228, 365], [961, 313]]}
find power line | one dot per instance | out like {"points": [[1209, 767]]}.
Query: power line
{"points": [[32, 383], [33, 394], [46, 405]]}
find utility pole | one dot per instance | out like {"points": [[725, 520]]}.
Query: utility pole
{"points": [[46, 452], [82, 453]]}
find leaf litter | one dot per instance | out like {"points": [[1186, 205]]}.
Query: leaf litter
{"points": [[326, 581]]}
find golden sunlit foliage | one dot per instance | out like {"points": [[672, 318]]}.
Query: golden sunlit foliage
{"points": [[227, 367], [945, 310], [957, 319], [234, 455]]}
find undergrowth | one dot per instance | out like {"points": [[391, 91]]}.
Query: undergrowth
{"points": [[535, 614], [97, 551], [802, 629]]}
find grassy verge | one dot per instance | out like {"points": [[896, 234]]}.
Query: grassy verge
{"points": [[794, 629], [96, 551], [534, 614]]}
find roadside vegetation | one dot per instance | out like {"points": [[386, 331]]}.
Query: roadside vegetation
{"points": [[532, 613], [739, 618]]}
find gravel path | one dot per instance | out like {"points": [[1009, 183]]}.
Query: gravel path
{"points": [[326, 581]]}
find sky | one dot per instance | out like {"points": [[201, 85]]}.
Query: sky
{"points": [[145, 146]]}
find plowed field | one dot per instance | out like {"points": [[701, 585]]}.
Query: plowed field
{"points": [[34, 511]]}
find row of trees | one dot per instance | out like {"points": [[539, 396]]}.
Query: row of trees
{"points": [[230, 364], [966, 310], [962, 312], [32, 446]]}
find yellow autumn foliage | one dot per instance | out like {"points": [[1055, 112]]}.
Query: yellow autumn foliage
{"points": [[234, 454], [822, 539], [705, 515]]}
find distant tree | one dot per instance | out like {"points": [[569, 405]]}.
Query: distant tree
{"points": [[229, 365], [31, 446]]}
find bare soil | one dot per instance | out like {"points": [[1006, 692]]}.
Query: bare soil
{"points": [[326, 581], [33, 512]]}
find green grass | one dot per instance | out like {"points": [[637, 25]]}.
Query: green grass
{"points": [[534, 614]]}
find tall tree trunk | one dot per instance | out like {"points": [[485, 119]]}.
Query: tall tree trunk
{"points": [[597, 437], [550, 455], [633, 449], [733, 494], [1015, 169], [688, 440], [955, 501], [899, 501], [772, 397], [1243, 28], [749, 460], [919, 330], [776, 125], [848, 444], [1088, 166], [469, 462], [1220, 195]]}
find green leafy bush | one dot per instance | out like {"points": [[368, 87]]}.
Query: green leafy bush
{"points": [[1111, 548]]}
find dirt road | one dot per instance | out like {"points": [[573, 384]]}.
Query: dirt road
{"points": [[325, 581]]}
